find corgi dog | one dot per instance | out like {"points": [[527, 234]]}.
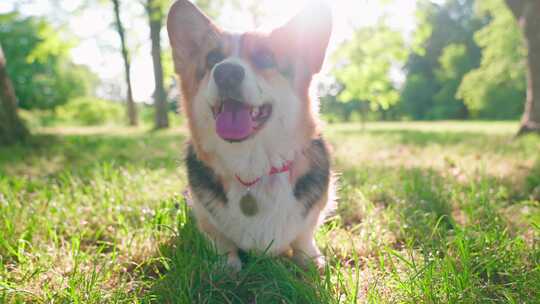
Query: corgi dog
{"points": [[258, 169]]}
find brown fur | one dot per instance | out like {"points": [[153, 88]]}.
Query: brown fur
{"points": [[288, 44]]}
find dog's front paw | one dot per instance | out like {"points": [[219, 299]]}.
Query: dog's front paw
{"points": [[305, 260], [320, 262], [234, 262]]}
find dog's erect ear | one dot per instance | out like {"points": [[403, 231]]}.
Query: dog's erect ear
{"points": [[191, 32], [305, 37]]}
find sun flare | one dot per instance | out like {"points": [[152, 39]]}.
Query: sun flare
{"points": [[97, 47]]}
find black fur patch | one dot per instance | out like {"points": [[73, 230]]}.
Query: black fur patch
{"points": [[203, 180], [310, 188]]}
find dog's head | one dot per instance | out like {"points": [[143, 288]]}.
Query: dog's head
{"points": [[242, 89]]}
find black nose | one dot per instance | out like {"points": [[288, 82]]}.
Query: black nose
{"points": [[228, 76]]}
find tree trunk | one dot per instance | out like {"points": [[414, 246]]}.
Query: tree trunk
{"points": [[527, 13], [11, 127], [155, 17], [530, 121], [131, 108]]}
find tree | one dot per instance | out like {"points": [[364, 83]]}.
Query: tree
{"points": [[444, 38], [43, 74], [496, 87], [365, 63], [527, 14], [454, 63], [11, 127], [156, 13], [131, 108]]}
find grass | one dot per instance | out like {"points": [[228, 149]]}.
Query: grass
{"points": [[429, 213]]}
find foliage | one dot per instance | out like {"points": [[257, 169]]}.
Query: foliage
{"points": [[454, 63], [90, 111], [148, 114], [39, 64], [34, 119], [334, 110], [364, 64], [443, 51], [423, 30], [417, 96], [497, 88], [211, 7]]}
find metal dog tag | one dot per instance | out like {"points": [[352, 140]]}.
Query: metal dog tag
{"points": [[248, 205]]}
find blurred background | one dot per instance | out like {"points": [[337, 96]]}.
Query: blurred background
{"points": [[108, 62]]}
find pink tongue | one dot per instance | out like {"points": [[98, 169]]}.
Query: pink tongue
{"points": [[234, 122]]}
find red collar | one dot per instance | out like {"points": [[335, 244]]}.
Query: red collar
{"points": [[286, 167]]}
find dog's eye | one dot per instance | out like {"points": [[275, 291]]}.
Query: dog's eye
{"points": [[263, 59], [213, 58]]}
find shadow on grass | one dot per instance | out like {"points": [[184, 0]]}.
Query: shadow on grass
{"points": [[424, 138], [477, 141], [194, 273], [51, 154], [417, 198], [452, 237], [423, 203]]}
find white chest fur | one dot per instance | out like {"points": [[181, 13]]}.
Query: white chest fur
{"points": [[278, 220]]}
